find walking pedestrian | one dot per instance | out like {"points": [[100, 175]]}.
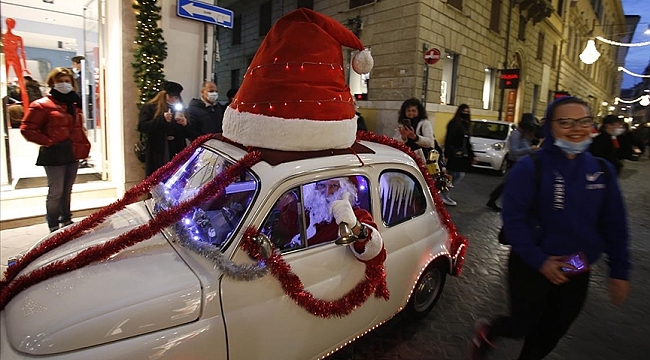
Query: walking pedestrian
{"points": [[55, 122], [519, 145], [606, 143], [557, 229], [459, 155]]}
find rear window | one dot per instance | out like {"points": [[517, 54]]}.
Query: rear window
{"points": [[489, 130], [402, 197]]}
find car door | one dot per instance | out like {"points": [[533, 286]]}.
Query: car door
{"points": [[262, 321]]}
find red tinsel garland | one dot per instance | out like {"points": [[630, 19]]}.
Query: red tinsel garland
{"points": [[215, 187], [91, 221], [373, 283], [459, 244]]}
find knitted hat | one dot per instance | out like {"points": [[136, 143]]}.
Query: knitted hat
{"points": [[294, 96], [173, 88]]}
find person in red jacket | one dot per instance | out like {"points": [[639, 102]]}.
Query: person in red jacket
{"points": [[56, 123]]}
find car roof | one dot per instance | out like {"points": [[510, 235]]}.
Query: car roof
{"points": [[493, 121], [330, 159]]}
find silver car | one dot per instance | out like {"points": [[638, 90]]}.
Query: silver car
{"points": [[489, 140]]}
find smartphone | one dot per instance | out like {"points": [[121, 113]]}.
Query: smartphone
{"points": [[579, 261], [178, 111]]}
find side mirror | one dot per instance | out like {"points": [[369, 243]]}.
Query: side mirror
{"points": [[263, 245]]}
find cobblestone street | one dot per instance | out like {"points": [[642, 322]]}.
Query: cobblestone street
{"points": [[601, 332]]}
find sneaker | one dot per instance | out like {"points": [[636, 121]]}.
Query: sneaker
{"points": [[53, 228], [479, 346], [493, 205], [67, 223], [447, 200]]}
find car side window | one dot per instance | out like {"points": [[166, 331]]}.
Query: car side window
{"points": [[301, 217], [401, 196], [282, 225]]}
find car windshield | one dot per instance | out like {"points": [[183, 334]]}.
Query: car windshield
{"points": [[489, 130], [215, 220]]}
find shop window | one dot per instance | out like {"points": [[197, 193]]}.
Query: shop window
{"points": [[495, 16], [301, 218], [357, 3], [236, 30], [402, 197], [536, 94], [449, 79], [458, 4], [488, 88], [540, 46], [307, 4], [265, 18]]}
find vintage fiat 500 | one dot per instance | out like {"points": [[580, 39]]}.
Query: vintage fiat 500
{"points": [[219, 262]]}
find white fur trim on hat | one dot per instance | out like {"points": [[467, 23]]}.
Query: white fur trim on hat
{"points": [[363, 62], [373, 246], [288, 134]]}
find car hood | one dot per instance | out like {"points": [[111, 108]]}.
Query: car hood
{"points": [[144, 288], [483, 144]]}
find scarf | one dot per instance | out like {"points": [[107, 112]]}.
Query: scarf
{"points": [[71, 99]]}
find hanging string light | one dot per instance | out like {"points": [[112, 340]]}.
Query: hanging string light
{"points": [[643, 100], [620, 68], [612, 42]]}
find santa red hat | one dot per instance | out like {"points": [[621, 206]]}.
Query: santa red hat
{"points": [[294, 96]]}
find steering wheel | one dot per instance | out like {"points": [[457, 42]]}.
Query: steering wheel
{"points": [[229, 215]]}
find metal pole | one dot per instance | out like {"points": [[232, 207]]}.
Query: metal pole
{"points": [[425, 80], [505, 59], [205, 51]]}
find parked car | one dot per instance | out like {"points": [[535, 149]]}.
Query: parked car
{"points": [[167, 297], [489, 140]]}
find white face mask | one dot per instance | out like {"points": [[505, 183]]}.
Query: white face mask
{"points": [[63, 87], [618, 131], [213, 96], [76, 71]]}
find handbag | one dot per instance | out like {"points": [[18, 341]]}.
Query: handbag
{"points": [[56, 155], [140, 150]]}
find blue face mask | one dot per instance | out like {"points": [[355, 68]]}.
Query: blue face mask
{"points": [[573, 148]]}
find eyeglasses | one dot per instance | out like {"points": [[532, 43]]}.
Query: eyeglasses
{"points": [[568, 123]]}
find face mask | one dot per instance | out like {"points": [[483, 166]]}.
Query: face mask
{"points": [[464, 116], [213, 96], [63, 88], [76, 71], [573, 148], [618, 132]]}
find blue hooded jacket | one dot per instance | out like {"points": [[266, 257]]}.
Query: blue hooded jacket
{"points": [[574, 208]]}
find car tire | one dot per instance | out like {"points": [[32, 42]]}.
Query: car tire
{"points": [[427, 290]]}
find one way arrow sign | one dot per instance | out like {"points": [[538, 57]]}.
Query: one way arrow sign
{"points": [[201, 11]]}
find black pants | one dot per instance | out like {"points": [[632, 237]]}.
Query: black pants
{"points": [[496, 193], [539, 310]]}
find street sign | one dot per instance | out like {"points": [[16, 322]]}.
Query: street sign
{"points": [[201, 11], [432, 56]]}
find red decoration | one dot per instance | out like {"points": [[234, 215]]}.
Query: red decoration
{"points": [[215, 187], [459, 244], [374, 283]]}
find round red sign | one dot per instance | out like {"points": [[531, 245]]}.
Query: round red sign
{"points": [[432, 56]]}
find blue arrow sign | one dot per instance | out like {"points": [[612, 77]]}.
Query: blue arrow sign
{"points": [[201, 11]]}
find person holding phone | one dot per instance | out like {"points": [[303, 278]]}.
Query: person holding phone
{"points": [[557, 230], [163, 122], [414, 128]]}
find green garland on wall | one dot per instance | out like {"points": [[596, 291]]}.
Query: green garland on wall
{"points": [[151, 50]]}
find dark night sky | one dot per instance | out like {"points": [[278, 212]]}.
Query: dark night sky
{"points": [[637, 57]]}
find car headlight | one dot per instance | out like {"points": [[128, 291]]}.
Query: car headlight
{"points": [[498, 146]]}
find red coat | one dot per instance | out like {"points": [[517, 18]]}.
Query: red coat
{"points": [[48, 122]]}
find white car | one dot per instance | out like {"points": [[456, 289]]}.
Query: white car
{"points": [[192, 291], [489, 140]]}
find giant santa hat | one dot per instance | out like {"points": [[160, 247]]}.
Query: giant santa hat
{"points": [[294, 96]]}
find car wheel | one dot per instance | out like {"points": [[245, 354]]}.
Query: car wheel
{"points": [[427, 291]]}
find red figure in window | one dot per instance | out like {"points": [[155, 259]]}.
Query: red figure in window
{"points": [[15, 52]]}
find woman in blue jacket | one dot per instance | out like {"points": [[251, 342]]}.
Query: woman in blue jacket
{"points": [[577, 207]]}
